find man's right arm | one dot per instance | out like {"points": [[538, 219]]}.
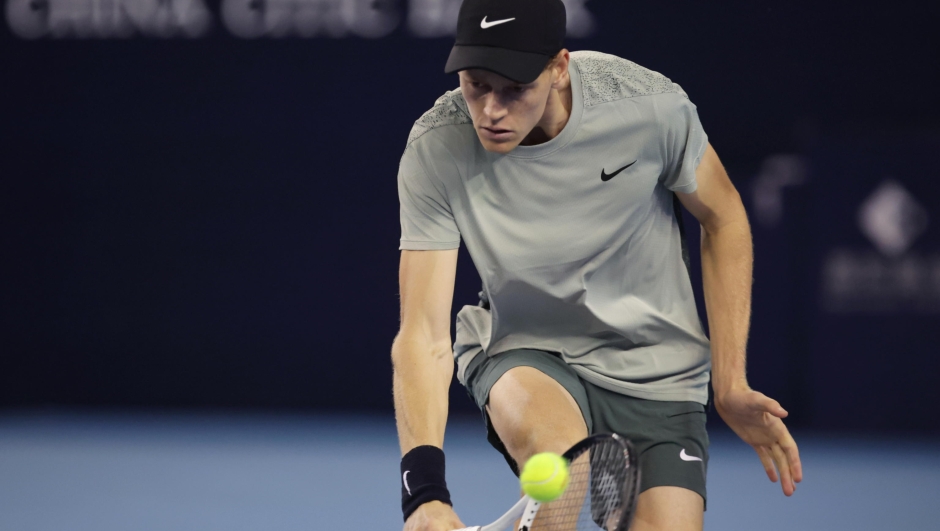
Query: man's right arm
{"points": [[423, 363]]}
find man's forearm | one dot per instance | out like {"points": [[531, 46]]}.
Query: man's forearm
{"points": [[727, 264], [422, 376]]}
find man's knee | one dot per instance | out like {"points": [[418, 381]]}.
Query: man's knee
{"points": [[533, 413], [669, 509]]}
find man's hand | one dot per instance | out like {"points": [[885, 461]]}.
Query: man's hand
{"points": [[433, 516], [756, 419]]}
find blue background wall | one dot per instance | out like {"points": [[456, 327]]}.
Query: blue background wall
{"points": [[213, 221]]}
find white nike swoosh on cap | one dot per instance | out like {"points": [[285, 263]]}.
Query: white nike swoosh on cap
{"points": [[404, 479], [484, 24], [686, 457]]}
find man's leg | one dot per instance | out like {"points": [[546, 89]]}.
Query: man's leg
{"points": [[662, 432], [669, 508], [533, 413]]}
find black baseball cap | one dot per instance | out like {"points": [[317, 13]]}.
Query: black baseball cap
{"points": [[513, 38]]}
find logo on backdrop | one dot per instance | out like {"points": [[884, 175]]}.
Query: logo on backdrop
{"points": [[892, 219], [888, 277], [107, 19], [777, 173], [249, 19]]}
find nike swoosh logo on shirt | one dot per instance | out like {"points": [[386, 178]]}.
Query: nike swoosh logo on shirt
{"points": [[484, 24], [606, 177], [686, 457]]}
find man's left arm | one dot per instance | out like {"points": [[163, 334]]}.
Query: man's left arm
{"points": [[727, 261]]}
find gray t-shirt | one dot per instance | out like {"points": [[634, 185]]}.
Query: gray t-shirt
{"points": [[572, 263]]}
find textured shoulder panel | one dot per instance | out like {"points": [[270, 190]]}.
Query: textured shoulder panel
{"points": [[449, 109], [606, 78]]}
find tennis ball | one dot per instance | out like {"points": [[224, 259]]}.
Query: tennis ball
{"points": [[544, 476]]}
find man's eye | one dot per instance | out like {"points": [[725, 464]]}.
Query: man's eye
{"points": [[476, 84]]}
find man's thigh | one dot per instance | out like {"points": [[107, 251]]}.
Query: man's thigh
{"points": [[669, 509], [532, 401], [533, 413]]}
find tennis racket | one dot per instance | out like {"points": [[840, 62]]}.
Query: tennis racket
{"points": [[601, 494]]}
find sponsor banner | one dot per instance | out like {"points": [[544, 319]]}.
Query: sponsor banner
{"points": [[891, 272], [847, 283], [873, 291], [107, 19], [248, 19]]}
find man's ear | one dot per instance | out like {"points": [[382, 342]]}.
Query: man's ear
{"points": [[560, 69]]}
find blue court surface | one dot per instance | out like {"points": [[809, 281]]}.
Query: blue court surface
{"points": [[180, 472]]}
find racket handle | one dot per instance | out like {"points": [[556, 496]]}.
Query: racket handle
{"points": [[474, 528]]}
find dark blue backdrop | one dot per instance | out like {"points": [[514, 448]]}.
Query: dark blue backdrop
{"points": [[213, 221]]}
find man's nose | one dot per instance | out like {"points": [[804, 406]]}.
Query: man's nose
{"points": [[494, 109]]}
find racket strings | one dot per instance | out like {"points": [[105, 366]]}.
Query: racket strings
{"points": [[597, 493]]}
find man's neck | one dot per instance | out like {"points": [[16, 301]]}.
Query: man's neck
{"points": [[557, 112]]}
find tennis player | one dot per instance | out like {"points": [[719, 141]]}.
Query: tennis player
{"points": [[563, 174]]}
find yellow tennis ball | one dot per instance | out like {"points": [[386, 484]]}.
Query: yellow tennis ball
{"points": [[544, 476]]}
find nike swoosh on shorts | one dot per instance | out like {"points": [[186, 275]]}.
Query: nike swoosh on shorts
{"points": [[686, 457]]}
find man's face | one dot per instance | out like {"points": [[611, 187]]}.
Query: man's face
{"points": [[504, 112]]}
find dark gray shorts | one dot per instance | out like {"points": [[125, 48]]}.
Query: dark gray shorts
{"points": [[669, 437]]}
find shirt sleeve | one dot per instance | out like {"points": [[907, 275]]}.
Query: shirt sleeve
{"points": [[685, 142], [427, 221]]}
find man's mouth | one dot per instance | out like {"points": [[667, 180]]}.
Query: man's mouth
{"points": [[496, 133]]}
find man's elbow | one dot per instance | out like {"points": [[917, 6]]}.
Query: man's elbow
{"points": [[408, 348], [399, 349], [731, 215]]}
